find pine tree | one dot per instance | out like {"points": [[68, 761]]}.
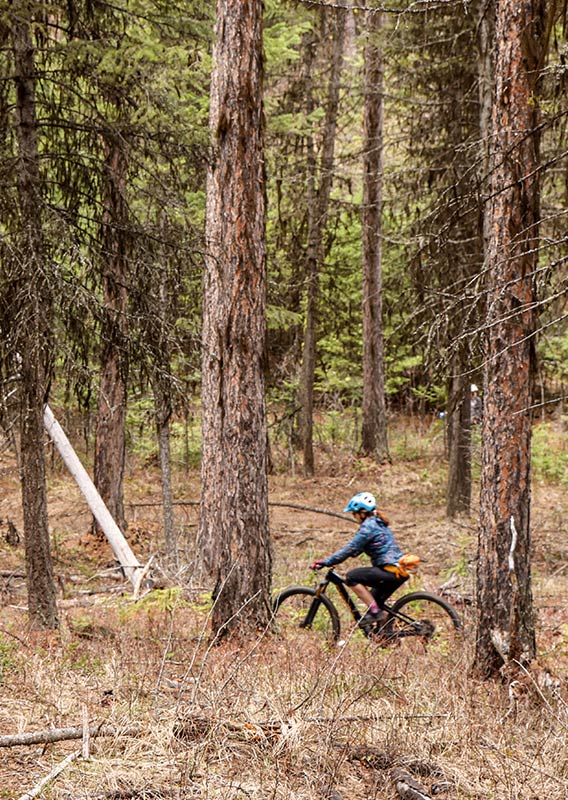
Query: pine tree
{"points": [[234, 542]]}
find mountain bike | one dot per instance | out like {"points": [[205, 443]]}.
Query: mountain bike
{"points": [[418, 615]]}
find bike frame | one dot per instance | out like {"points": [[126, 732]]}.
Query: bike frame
{"points": [[339, 583]]}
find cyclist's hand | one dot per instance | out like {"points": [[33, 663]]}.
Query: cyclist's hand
{"points": [[318, 564]]}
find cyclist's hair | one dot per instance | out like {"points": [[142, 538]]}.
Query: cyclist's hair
{"points": [[382, 517]]}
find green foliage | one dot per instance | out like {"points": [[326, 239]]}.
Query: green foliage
{"points": [[283, 32], [553, 356], [414, 442], [550, 452], [337, 428], [140, 427], [82, 625], [203, 604], [400, 369], [157, 602], [280, 318], [81, 660], [8, 661]]}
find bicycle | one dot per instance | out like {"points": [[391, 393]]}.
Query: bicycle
{"points": [[417, 614]]}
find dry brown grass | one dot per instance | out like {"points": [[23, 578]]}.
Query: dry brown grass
{"points": [[278, 719]]}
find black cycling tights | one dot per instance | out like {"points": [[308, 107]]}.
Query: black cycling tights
{"points": [[381, 582]]}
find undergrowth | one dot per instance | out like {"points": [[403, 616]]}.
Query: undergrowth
{"points": [[286, 719]]}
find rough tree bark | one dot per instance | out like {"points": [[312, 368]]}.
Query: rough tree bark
{"points": [[110, 444], [374, 441], [505, 624], [32, 340], [233, 538]]}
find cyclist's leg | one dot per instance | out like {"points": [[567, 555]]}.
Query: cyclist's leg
{"points": [[382, 583], [386, 584], [358, 580]]}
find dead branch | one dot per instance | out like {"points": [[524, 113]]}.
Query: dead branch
{"points": [[312, 509], [13, 635], [64, 734], [38, 788], [130, 794], [86, 734], [271, 503]]}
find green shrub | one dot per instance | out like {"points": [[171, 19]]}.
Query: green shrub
{"points": [[550, 453], [7, 657]]}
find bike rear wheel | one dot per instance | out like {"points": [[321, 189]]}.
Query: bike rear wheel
{"points": [[298, 610], [426, 619]]}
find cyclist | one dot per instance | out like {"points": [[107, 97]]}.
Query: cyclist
{"points": [[476, 406], [375, 538]]}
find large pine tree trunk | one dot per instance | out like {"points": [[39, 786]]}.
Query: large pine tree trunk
{"points": [[233, 540], [110, 442], [374, 440], [32, 332], [505, 625]]}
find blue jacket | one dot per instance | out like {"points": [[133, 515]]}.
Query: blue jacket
{"points": [[375, 539]]}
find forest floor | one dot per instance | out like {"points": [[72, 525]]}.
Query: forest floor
{"points": [[270, 718]]}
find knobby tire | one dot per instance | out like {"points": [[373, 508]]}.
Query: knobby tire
{"points": [[297, 598], [422, 607]]}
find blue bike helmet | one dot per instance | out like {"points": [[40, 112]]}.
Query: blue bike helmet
{"points": [[364, 501]]}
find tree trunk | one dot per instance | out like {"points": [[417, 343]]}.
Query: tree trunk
{"points": [[163, 412], [309, 348], [233, 539], [505, 624], [314, 256], [32, 332], [458, 498], [110, 445], [374, 440], [485, 38]]}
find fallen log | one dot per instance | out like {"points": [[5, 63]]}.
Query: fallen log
{"points": [[64, 734]]}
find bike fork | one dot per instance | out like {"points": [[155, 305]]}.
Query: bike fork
{"points": [[314, 605]]}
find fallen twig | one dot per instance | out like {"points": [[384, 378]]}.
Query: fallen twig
{"points": [[86, 734], [38, 788], [13, 635]]}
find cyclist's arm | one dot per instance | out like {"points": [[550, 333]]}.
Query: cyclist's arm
{"points": [[353, 548]]}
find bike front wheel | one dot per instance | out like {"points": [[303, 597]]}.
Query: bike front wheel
{"points": [[299, 610], [425, 618]]}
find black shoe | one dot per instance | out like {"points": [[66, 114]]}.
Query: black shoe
{"points": [[369, 619]]}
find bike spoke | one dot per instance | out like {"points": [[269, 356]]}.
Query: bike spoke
{"points": [[300, 613], [425, 620]]}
